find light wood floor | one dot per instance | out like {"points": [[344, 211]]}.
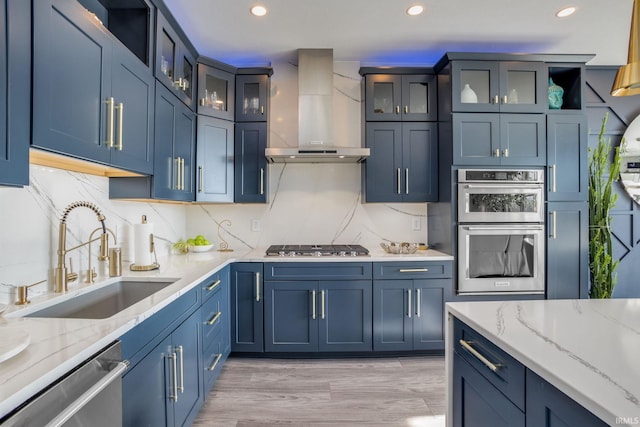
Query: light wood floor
{"points": [[395, 391]]}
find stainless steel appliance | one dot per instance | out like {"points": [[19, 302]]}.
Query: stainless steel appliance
{"points": [[91, 395], [501, 236], [316, 250]]}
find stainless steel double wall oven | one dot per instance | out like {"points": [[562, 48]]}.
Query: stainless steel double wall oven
{"points": [[501, 239]]}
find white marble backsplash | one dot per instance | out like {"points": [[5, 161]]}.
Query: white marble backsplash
{"points": [[308, 203]]}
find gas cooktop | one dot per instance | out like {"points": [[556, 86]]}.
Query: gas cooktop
{"points": [[316, 250]]}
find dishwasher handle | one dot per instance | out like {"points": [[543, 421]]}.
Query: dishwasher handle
{"points": [[87, 396]]}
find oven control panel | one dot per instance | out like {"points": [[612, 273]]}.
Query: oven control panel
{"points": [[500, 175]]}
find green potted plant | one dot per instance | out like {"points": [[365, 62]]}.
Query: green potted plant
{"points": [[602, 174]]}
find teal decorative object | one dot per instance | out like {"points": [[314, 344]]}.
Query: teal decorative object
{"points": [[555, 95]]}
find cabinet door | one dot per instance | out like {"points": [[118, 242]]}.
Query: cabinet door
{"points": [[291, 316], [428, 323], [71, 61], [133, 91], [523, 87], [567, 250], [419, 100], [15, 61], [250, 164], [522, 140], [174, 148], [383, 97], [383, 169], [477, 403], [475, 86], [186, 83], [567, 167], [476, 139], [252, 98], [392, 315], [215, 92], [549, 407], [214, 156], [420, 162], [247, 307], [145, 389], [185, 342], [345, 310]]}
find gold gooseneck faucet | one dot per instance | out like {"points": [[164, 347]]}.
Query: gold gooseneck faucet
{"points": [[61, 276]]}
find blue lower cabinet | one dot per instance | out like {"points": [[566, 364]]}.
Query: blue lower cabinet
{"points": [[549, 407], [165, 387], [408, 314], [247, 307], [477, 403], [311, 316]]}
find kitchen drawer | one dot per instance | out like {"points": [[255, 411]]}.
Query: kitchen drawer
{"points": [[214, 358], [508, 376], [317, 270], [412, 270], [214, 284], [144, 334], [215, 316]]}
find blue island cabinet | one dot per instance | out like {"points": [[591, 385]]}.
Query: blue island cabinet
{"points": [[318, 307], [491, 388]]}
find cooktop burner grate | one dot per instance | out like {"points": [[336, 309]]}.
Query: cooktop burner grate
{"points": [[316, 250]]}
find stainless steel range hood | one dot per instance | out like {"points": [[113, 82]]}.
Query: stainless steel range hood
{"points": [[315, 116]]}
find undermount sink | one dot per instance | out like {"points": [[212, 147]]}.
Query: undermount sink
{"points": [[103, 302]]}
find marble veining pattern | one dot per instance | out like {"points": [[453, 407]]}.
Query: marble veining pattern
{"points": [[588, 348]]}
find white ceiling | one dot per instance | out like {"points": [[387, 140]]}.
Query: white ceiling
{"points": [[379, 32]]}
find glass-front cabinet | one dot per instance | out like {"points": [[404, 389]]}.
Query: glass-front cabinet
{"points": [[175, 63], [252, 97], [215, 92], [393, 97], [493, 86]]}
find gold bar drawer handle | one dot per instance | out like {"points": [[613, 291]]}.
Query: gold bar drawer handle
{"points": [[467, 346], [214, 319], [214, 285], [414, 270], [215, 362]]}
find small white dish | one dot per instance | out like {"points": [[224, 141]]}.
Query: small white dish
{"points": [[205, 248], [14, 340]]}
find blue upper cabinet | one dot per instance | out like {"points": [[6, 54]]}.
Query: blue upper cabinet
{"points": [[175, 64], [100, 60], [397, 97], [252, 97], [15, 90], [216, 87], [497, 86], [250, 164], [214, 156]]}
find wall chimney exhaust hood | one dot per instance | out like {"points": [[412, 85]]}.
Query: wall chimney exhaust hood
{"points": [[315, 116]]}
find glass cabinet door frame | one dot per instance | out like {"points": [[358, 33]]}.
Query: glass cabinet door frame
{"points": [[540, 89], [254, 113], [205, 70], [399, 101]]}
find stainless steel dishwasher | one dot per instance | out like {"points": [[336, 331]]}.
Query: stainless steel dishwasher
{"points": [[90, 395]]}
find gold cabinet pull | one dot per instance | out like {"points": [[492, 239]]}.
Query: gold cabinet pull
{"points": [[215, 362], [120, 108], [397, 109], [213, 285], [505, 152], [496, 99], [497, 152], [505, 100], [467, 346], [414, 270], [262, 109], [406, 109], [201, 179], [214, 319], [110, 121]]}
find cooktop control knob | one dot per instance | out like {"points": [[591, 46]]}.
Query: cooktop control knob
{"points": [[282, 253], [292, 253], [342, 253], [317, 253]]}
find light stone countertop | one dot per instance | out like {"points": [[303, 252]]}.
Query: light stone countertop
{"points": [[58, 345], [588, 349]]}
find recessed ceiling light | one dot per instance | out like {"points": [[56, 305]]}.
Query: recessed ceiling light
{"points": [[258, 10], [415, 10], [563, 13]]}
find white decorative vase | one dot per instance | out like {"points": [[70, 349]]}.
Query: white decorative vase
{"points": [[468, 96]]}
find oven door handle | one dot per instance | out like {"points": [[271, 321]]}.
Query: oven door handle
{"points": [[508, 186], [501, 227]]}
